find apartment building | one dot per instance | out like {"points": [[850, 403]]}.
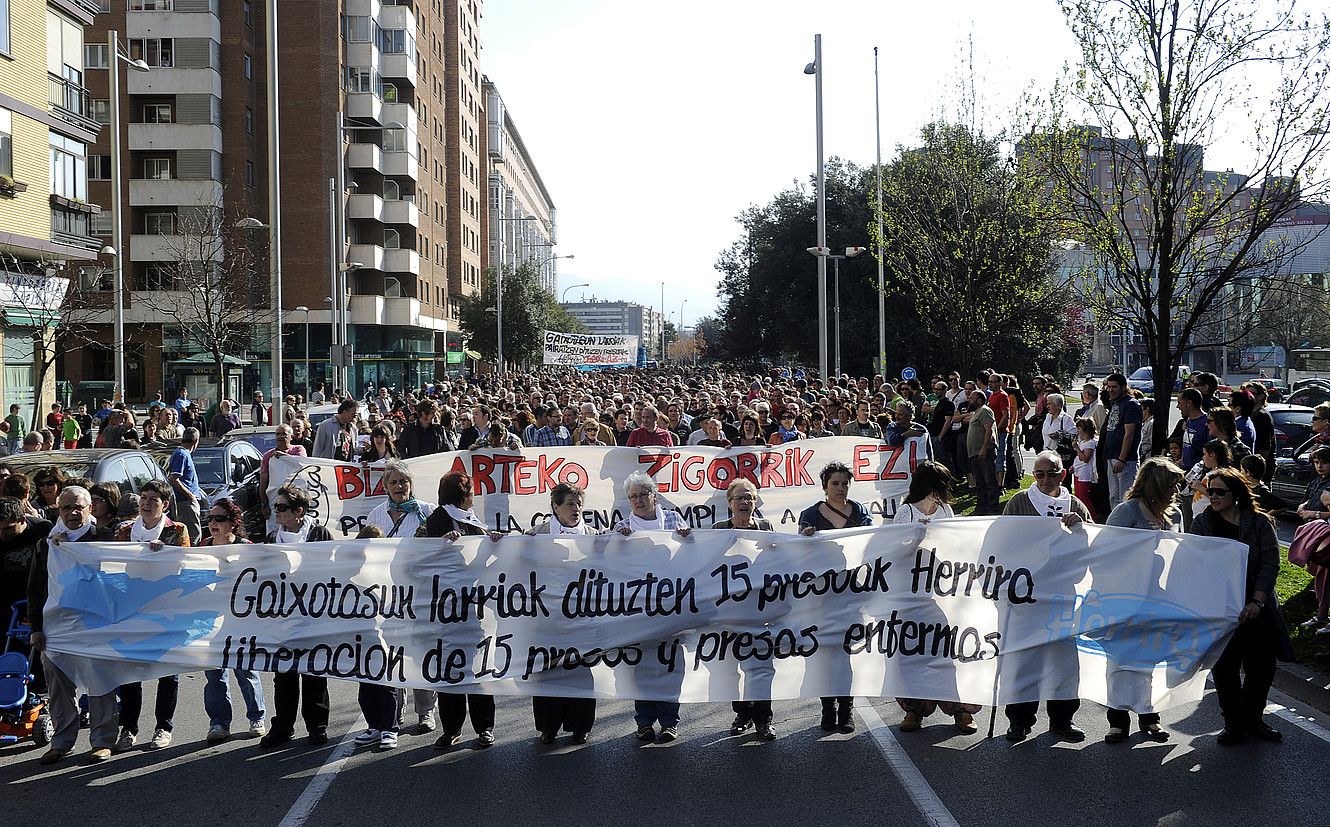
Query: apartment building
{"points": [[381, 145], [521, 226], [616, 318], [46, 126]]}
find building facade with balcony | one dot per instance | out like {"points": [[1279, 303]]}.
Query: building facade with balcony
{"points": [[521, 225], [615, 318], [47, 123]]}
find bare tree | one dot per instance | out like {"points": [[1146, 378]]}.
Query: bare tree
{"points": [[212, 288], [1157, 81], [59, 301]]}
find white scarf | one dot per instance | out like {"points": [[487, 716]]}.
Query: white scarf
{"points": [[469, 517], [71, 534], [1047, 506], [139, 533], [637, 523], [298, 536], [560, 528]]}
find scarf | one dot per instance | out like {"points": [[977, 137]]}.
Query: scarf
{"points": [[788, 436], [297, 536], [72, 535], [559, 528], [468, 517], [1047, 506], [411, 506], [637, 523], [139, 533]]}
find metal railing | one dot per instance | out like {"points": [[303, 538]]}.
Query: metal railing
{"points": [[71, 102]]}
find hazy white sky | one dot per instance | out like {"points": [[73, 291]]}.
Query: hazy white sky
{"points": [[654, 124]]}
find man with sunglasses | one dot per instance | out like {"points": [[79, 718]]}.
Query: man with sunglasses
{"points": [[1048, 498]]}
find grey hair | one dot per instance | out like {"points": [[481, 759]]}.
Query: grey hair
{"points": [[80, 493], [396, 466], [1051, 456], [638, 479], [1058, 398]]}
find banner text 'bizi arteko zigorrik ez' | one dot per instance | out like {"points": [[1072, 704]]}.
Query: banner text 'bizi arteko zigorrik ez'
{"points": [[979, 610]]}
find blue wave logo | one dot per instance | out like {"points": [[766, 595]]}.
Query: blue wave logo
{"points": [[1134, 630]]}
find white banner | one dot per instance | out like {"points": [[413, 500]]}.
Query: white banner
{"points": [[977, 610], [590, 351], [513, 489]]}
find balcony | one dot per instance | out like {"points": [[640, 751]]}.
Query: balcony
{"points": [[401, 164], [401, 67], [404, 311], [367, 310], [151, 192], [361, 54], [397, 17], [365, 206], [370, 256], [401, 261], [364, 106], [365, 156], [168, 136], [178, 24], [71, 103], [401, 212], [164, 81], [403, 113], [362, 8]]}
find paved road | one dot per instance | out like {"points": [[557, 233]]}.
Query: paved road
{"points": [[877, 775]]}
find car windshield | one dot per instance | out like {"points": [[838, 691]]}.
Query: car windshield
{"points": [[69, 469], [1141, 373], [1303, 418], [211, 466]]}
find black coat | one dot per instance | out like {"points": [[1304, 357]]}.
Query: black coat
{"points": [[421, 442], [440, 522], [1263, 554]]}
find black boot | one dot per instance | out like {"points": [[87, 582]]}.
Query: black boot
{"points": [[845, 715], [828, 714]]}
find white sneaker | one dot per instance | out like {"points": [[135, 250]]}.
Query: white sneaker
{"points": [[387, 740], [257, 729], [369, 736], [124, 743], [218, 733], [426, 722], [161, 739]]}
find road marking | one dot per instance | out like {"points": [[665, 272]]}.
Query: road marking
{"points": [[921, 792], [1299, 721], [318, 785]]}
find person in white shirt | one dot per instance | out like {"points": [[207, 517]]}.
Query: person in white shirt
{"points": [[1084, 472]]}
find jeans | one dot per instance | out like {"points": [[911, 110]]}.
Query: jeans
{"points": [[647, 713], [131, 703], [217, 696], [380, 706], [1119, 483], [64, 708], [1001, 459], [985, 484]]}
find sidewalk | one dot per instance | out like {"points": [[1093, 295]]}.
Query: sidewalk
{"points": [[1307, 685]]}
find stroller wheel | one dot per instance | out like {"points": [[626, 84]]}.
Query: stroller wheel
{"points": [[43, 730]]}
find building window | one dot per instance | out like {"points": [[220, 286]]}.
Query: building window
{"points": [[99, 167], [249, 173], [247, 12], [101, 111], [94, 55], [4, 25], [101, 223], [159, 223], [157, 113], [394, 140], [154, 51], [159, 277], [249, 120], [249, 67], [157, 169], [69, 167], [6, 142], [151, 5], [359, 29], [392, 240]]}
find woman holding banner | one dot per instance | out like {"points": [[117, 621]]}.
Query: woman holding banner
{"points": [[451, 520], [1244, 672], [1149, 505], [295, 527], [742, 499], [835, 512], [929, 499], [576, 715]]}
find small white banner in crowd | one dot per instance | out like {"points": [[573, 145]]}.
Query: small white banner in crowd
{"points": [[512, 489], [578, 350], [977, 610]]}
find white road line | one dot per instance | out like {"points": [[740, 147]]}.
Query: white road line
{"points": [[318, 785], [921, 792], [1299, 721]]}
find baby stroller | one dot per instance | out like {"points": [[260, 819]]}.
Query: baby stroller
{"points": [[23, 714]]}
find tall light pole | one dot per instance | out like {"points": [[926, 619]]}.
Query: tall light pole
{"points": [[881, 281], [815, 69], [662, 320], [850, 252], [564, 297], [274, 206], [117, 227]]}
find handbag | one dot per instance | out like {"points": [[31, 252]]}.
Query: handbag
{"points": [[1309, 544]]}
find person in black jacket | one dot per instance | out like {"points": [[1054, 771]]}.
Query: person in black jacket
{"points": [[20, 535], [1244, 672], [424, 436], [294, 526]]}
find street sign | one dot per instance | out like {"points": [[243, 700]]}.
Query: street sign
{"points": [[908, 373]]}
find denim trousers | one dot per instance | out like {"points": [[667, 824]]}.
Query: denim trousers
{"points": [[217, 696], [647, 713]]}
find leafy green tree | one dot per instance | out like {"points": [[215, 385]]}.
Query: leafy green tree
{"points": [[528, 311]]}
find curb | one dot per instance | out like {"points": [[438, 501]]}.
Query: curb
{"points": [[1306, 685]]}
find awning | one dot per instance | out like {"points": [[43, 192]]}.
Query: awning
{"points": [[206, 359], [26, 318]]}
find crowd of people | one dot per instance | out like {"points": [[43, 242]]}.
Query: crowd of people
{"points": [[1095, 464]]}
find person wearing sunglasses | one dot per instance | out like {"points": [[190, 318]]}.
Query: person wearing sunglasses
{"points": [[294, 527], [225, 527], [588, 434], [1048, 497], [1244, 672], [46, 485]]}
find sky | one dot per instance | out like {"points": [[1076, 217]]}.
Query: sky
{"points": [[654, 125]]}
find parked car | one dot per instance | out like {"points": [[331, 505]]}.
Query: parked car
{"points": [[262, 437], [1293, 425], [1142, 379], [1292, 475], [1275, 389], [1310, 395], [125, 469], [319, 413], [228, 469]]}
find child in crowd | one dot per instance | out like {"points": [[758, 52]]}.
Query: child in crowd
{"points": [[1084, 472]]}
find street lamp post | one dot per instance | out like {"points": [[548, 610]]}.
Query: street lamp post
{"points": [[815, 69], [113, 59], [564, 297], [881, 279], [302, 308], [680, 331], [823, 254], [274, 204]]}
